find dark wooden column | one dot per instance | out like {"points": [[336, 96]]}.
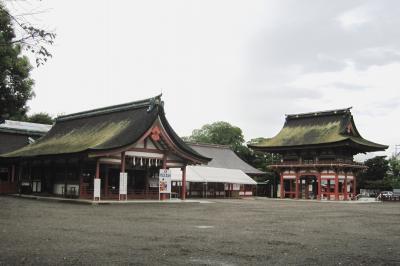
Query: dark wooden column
{"points": [[13, 173], [80, 176], [184, 183], [106, 180], [297, 180], [282, 187], [66, 178], [97, 169], [345, 195], [43, 180]]}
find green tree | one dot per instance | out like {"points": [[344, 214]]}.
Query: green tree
{"points": [[220, 132], [15, 83], [42, 118], [392, 179], [373, 177], [223, 133]]}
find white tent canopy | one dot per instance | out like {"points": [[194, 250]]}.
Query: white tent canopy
{"points": [[212, 175]]}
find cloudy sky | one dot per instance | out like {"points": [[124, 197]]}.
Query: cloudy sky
{"points": [[245, 62]]}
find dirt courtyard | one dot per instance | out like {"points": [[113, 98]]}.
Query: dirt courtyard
{"points": [[226, 232]]}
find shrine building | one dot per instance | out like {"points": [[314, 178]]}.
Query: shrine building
{"points": [[96, 146], [317, 151]]}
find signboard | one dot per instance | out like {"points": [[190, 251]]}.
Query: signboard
{"points": [[96, 192], [123, 183], [165, 181]]}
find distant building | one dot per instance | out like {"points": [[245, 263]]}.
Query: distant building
{"points": [[317, 152], [226, 175], [15, 135]]}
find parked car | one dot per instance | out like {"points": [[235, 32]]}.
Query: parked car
{"points": [[385, 194]]}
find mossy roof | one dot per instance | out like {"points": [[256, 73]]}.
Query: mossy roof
{"points": [[334, 127], [102, 129]]}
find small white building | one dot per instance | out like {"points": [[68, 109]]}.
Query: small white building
{"points": [[226, 175]]}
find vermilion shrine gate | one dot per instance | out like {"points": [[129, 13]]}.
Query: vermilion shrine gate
{"points": [[317, 151]]}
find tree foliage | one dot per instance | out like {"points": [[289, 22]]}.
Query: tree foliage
{"points": [[373, 177], [219, 132], [15, 83], [392, 178], [42, 118]]}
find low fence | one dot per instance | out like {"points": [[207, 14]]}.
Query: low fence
{"points": [[113, 194]]}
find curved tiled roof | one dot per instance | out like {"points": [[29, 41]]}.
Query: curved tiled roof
{"points": [[103, 129], [331, 128]]}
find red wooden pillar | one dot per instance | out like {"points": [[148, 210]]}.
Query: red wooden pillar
{"points": [[106, 181], [97, 169], [123, 162], [184, 183], [319, 186], [336, 186], [297, 185], [282, 187], [345, 196], [354, 186]]}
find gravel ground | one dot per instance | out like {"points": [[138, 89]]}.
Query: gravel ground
{"points": [[227, 232]]}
